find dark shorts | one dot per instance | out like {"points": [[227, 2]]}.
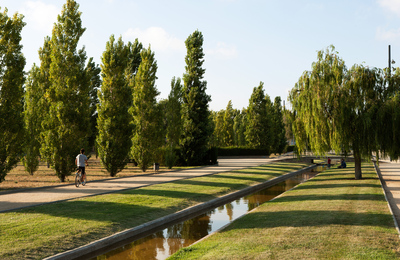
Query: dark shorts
{"points": [[82, 170]]}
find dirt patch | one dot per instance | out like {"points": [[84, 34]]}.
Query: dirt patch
{"points": [[18, 178]]}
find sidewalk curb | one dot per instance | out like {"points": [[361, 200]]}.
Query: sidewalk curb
{"points": [[116, 240]]}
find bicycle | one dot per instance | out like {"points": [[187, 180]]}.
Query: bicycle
{"points": [[78, 178]]}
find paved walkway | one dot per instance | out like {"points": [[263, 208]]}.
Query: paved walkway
{"points": [[390, 172], [36, 197]]}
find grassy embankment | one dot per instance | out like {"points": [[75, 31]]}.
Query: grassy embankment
{"points": [[36, 232], [331, 216]]}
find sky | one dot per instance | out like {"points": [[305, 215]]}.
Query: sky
{"points": [[245, 41]]}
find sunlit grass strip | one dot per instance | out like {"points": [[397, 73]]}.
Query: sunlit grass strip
{"points": [[49, 229], [332, 216]]}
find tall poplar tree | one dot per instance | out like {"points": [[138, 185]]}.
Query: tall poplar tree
{"points": [[217, 138], [173, 121], [195, 113], [12, 63], [258, 126], [277, 127], [66, 127], [92, 75], [33, 121], [147, 134], [36, 106], [239, 127], [228, 131], [114, 121], [173, 113]]}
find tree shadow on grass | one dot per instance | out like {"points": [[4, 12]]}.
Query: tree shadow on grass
{"points": [[132, 210], [304, 218], [273, 167], [161, 203], [344, 179], [354, 197], [336, 185], [274, 172], [247, 178]]}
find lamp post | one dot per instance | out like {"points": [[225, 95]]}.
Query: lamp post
{"points": [[390, 65]]}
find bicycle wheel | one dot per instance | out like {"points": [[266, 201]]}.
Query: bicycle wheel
{"points": [[77, 179], [84, 181]]}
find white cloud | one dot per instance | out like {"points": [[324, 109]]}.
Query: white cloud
{"points": [[40, 16], [222, 50], [392, 6], [157, 37], [387, 35]]}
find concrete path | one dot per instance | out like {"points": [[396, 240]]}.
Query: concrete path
{"points": [[390, 173], [39, 196]]}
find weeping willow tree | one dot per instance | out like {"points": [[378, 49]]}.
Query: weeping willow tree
{"points": [[336, 108], [389, 118]]}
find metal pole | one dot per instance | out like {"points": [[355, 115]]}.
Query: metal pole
{"points": [[390, 63]]}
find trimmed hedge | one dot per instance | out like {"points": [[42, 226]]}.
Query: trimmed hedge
{"points": [[241, 151]]}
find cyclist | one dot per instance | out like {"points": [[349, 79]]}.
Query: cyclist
{"points": [[80, 161]]}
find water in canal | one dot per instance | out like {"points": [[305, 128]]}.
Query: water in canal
{"points": [[165, 242]]}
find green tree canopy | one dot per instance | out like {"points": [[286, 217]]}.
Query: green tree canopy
{"points": [[66, 126], [12, 63], [277, 127], [389, 118], [147, 134], [173, 121], [114, 121], [37, 85], [258, 119], [338, 108], [239, 127], [33, 120], [195, 113], [173, 113], [217, 138], [228, 131]]}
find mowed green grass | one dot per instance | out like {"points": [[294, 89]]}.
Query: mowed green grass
{"points": [[332, 216], [41, 231]]}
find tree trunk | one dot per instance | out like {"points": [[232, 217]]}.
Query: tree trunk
{"points": [[61, 177], [357, 166]]}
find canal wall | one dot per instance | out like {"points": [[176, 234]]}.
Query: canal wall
{"points": [[121, 238]]}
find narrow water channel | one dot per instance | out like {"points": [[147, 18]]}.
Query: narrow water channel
{"points": [[164, 243]]}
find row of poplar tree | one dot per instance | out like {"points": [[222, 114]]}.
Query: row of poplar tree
{"points": [[68, 102], [260, 125]]}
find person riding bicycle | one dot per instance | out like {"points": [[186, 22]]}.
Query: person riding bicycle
{"points": [[80, 162]]}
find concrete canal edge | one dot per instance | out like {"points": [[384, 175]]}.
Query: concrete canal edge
{"points": [[119, 239]]}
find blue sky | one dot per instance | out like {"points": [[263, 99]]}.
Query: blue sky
{"points": [[245, 41]]}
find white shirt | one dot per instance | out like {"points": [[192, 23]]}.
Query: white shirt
{"points": [[80, 160]]}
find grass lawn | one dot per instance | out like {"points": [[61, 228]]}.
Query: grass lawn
{"points": [[332, 216], [41, 231]]}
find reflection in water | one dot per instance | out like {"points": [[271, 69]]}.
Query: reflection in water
{"points": [[164, 243]]}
